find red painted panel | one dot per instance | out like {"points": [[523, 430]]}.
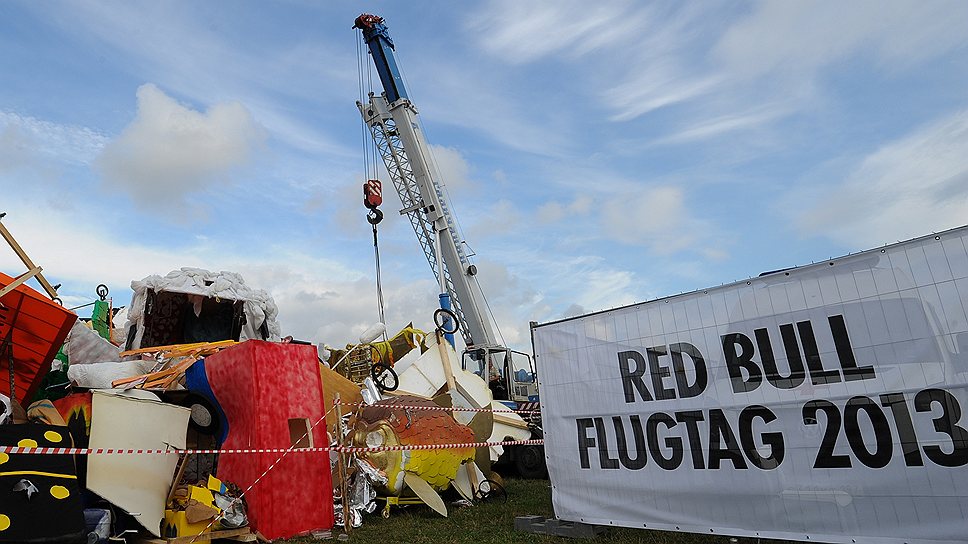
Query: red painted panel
{"points": [[261, 386]]}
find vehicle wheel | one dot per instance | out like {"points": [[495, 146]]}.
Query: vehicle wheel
{"points": [[204, 417], [384, 377], [529, 461], [440, 319]]}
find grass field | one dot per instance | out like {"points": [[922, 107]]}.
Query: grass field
{"points": [[493, 523]]}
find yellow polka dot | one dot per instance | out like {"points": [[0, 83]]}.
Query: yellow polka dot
{"points": [[4, 458], [53, 436], [59, 492], [27, 443], [4, 522]]}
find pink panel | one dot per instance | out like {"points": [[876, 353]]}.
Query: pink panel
{"points": [[261, 386]]}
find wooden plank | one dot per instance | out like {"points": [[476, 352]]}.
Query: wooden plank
{"points": [[26, 260], [176, 349], [19, 280], [209, 536]]}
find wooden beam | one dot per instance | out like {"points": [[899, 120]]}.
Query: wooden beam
{"points": [[19, 280], [26, 260]]}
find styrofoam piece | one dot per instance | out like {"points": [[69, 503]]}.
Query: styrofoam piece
{"points": [[138, 484]]}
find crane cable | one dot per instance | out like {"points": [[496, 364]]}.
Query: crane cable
{"points": [[370, 167]]}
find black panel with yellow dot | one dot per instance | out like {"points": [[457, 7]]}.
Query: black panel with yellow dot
{"points": [[40, 500]]}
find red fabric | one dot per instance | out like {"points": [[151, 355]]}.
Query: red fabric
{"points": [[260, 386], [37, 327]]}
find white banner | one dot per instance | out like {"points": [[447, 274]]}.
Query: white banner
{"points": [[823, 403]]}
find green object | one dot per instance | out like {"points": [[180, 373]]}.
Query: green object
{"points": [[99, 319]]}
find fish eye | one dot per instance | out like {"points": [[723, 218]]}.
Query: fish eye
{"points": [[375, 439]]}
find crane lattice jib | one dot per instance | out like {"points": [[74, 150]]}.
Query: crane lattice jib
{"points": [[383, 130]]}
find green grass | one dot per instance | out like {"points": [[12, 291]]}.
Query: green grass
{"points": [[493, 523]]}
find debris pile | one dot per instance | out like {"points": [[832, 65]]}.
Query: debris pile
{"points": [[197, 420]]}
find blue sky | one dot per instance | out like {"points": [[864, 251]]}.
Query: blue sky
{"points": [[596, 154]]}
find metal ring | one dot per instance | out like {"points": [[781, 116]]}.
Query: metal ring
{"points": [[441, 316]]}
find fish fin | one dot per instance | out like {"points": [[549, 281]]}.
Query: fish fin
{"points": [[444, 400], [425, 492], [483, 425], [462, 483], [482, 458]]}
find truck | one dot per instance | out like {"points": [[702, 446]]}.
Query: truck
{"points": [[393, 123], [766, 402]]}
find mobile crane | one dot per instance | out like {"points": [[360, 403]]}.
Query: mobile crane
{"points": [[392, 122]]}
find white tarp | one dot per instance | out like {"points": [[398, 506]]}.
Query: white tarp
{"points": [[259, 306], [661, 415]]}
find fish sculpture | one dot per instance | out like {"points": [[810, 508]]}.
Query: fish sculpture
{"points": [[400, 421]]}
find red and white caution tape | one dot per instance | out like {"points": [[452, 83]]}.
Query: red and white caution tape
{"points": [[443, 409], [352, 449], [345, 449]]}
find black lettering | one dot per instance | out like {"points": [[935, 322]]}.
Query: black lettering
{"points": [[883, 444], [946, 423], [722, 443], [604, 460], [737, 362], [584, 442], [691, 419], [659, 374], [642, 455], [852, 372], [673, 443], [796, 376], [632, 379], [825, 456], [818, 375], [685, 390], [774, 439], [905, 428]]}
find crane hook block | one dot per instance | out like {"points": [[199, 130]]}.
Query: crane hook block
{"points": [[374, 216], [372, 193]]}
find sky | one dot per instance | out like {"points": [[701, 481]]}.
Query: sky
{"points": [[596, 154]]}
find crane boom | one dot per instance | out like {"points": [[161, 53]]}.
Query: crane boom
{"points": [[392, 121]]}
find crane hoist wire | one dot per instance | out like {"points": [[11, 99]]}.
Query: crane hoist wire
{"points": [[370, 168]]}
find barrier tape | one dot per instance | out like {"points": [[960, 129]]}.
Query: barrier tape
{"points": [[442, 409], [13, 450]]}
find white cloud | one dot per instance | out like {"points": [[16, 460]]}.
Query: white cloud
{"points": [[904, 189], [655, 217], [554, 211], [802, 37], [169, 151], [452, 168]]}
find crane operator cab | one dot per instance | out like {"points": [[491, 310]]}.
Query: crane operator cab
{"points": [[509, 374]]}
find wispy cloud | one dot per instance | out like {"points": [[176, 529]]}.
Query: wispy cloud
{"points": [[893, 193], [24, 139], [522, 32], [799, 38], [708, 128]]}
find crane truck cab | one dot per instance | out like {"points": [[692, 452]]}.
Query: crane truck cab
{"points": [[509, 374]]}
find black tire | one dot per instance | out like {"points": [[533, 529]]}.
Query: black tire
{"points": [[529, 461], [204, 418], [384, 377], [440, 319]]}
